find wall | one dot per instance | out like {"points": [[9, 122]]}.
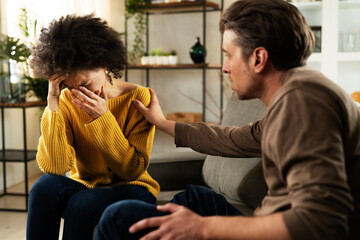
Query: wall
{"points": [[178, 90], [13, 117]]}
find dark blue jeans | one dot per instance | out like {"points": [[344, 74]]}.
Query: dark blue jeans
{"points": [[118, 217], [53, 197]]}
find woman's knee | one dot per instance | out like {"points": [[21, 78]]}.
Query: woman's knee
{"points": [[45, 185]]}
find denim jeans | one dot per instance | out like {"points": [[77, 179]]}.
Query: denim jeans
{"points": [[118, 217], [54, 196]]}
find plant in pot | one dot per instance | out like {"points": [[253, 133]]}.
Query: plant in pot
{"points": [[159, 54], [34, 86], [165, 58], [173, 57], [152, 57], [145, 59], [13, 57]]}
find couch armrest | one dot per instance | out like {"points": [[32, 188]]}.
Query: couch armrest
{"points": [[174, 171]]}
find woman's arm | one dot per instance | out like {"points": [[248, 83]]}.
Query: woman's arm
{"points": [[126, 151], [55, 152]]}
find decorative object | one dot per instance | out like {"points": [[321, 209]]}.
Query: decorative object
{"points": [[158, 57], [187, 117], [317, 34], [356, 96], [152, 57], [145, 59], [173, 59], [197, 52], [348, 40], [13, 57], [166, 58]]}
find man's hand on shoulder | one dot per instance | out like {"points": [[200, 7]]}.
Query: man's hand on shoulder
{"points": [[155, 115]]}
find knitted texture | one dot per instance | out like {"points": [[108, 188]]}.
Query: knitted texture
{"points": [[111, 150]]}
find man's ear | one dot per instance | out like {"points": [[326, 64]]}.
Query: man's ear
{"points": [[260, 59]]}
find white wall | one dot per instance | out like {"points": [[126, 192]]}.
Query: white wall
{"points": [[111, 10], [176, 31]]}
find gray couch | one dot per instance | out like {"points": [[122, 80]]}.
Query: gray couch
{"points": [[240, 180]]}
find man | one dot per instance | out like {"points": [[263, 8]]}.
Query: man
{"points": [[309, 140]]}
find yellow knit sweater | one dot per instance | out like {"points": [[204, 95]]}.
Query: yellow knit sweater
{"points": [[111, 150]]}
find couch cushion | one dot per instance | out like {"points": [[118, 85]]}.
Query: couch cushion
{"points": [[239, 179]]}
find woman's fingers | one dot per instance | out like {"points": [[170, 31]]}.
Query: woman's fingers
{"points": [[58, 77]]}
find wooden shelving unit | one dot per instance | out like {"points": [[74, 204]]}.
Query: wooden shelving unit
{"points": [[199, 7], [176, 66], [182, 6], [22, 156]]}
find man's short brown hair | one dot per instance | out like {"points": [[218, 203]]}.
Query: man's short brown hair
{"points": [[273, 24]]}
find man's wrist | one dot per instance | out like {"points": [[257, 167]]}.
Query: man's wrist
{"points": [[167, 126]]}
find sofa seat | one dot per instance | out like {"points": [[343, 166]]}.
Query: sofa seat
{"points": [[239, 180]]}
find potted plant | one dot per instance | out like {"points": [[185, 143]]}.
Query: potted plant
{"points": [[34, 86], [152, 57], [165, 58], [13, 54], [159, 54], [145, 59], [173, 59]]}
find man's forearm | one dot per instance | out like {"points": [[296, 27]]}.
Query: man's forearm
{"points": [[167, 126], [262, 228]]}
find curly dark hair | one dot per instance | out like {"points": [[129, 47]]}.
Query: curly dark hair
{"points": [[75, 43]]}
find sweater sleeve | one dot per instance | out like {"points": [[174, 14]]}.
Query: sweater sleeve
{"points": [[126, 151], [222, 141], [303, 137], [55, 151]]}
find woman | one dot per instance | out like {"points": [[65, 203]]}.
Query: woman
{"points": [[91, 129]]}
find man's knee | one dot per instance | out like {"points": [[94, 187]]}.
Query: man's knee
{"points": [[126, 210]]}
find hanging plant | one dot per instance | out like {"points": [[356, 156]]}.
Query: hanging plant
{"points": [[134, 8]]}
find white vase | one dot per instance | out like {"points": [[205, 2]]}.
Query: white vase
{"points": [[152, 60], [158, 60], [144, 60], [173, 59], [165, 60]]}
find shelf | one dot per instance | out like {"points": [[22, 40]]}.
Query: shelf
{"points": [[22, 104], [348, 56], [177, 66], [349, 4], [181, 7], [17, 155], [308, 5]]}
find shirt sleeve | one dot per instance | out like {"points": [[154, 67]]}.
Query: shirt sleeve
{"points": [[55, 154], [126, 151], [218, 140], [303, 137]]}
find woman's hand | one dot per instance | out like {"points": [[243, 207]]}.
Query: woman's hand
{"points": [[56, 83], [92, 104]]}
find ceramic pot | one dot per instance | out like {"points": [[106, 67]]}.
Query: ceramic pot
{"points": [[173, 59], [144, 60]]}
